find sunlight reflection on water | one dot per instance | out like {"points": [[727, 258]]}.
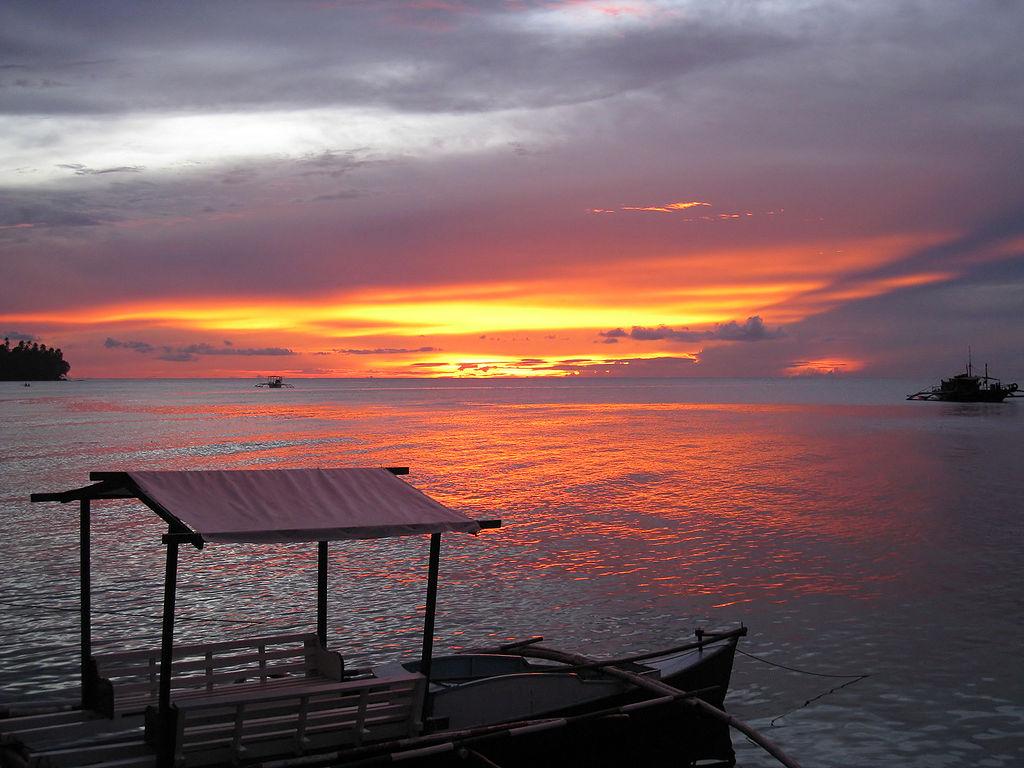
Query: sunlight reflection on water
{"points": [[852, 532]]}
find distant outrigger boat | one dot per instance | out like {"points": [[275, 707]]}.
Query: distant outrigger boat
{"points": [[275, 382], [968, 388]]}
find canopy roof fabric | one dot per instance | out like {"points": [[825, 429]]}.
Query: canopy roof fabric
{"points": [[287, 505]]}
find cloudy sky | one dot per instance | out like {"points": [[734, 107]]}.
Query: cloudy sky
{"points": [[514, 187]]}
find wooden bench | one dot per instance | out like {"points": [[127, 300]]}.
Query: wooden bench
{"points": [[232, 729], [126, 683], [239, 726]]}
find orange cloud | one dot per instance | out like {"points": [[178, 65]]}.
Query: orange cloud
{"points": [[667, 208], [823, 367], [489, 328]]}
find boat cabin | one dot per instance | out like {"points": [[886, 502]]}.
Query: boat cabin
{"points": [[262, 697]]}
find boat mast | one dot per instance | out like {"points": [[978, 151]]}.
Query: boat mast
{"points": [[968, 361]]}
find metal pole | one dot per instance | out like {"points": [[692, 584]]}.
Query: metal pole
{"points": [[85, 589], [167, 639], [431, 611], [321, 593]]}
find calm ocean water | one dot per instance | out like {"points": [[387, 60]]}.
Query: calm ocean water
{"points": [[851, 531]]}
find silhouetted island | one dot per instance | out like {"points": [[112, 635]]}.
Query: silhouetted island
{"points": [[31, 362]]}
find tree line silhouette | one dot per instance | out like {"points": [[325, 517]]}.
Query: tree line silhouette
{"points": [[31, 362]]}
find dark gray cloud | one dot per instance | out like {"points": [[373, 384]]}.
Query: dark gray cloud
{"points": [[190, 352], [196, 55], [210, 349], [18, 336], [80, 170], [130, 194], [141, 347], [47, 208], [753, 329]]}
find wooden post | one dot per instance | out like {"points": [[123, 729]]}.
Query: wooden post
{"points": [[85, 589], [321, 593], [167, 639], [428, 619]]}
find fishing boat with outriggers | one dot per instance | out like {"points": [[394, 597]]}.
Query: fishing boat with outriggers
{"points": [[275, 382], [286, 701], [968, 388]]}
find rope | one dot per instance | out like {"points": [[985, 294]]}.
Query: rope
{"points": [[794, 669], [815, 698], [850, 680]]}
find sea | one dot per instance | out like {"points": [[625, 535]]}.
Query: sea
{"points": [[872, 546]]}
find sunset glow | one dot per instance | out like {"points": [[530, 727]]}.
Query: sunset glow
{"points": [[636, 188]]}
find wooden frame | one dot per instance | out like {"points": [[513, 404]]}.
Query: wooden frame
{"points": [[162, 723]]}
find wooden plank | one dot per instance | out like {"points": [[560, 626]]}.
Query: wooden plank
{"points": [[85, 755], [312, 685], [200, 649], [243, 674], [140, 761], [139, 701], [316, 705], [245, 663], [14, 724], [90, 731]]}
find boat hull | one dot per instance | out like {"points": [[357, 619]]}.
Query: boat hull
{"points": [[671, 734], [980, 397]]}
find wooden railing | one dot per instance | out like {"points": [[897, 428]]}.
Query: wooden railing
{"points": [[127, 682], [233, 728]]}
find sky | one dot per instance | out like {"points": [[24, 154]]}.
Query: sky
{"points": [[514, 188]]}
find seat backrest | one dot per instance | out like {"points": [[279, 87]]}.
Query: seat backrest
{"points": [[262, 724], [129, 681]]}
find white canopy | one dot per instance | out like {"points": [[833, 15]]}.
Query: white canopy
{"points": [[286, 505]]}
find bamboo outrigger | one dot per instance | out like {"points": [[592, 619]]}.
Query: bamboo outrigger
{"points": [[286, 700]]}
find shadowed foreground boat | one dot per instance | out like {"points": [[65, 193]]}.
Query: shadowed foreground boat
{"points": [[286, 700]]}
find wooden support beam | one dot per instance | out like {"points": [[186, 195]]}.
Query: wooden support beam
{"points": [[167, 634], [120, 477], [101, 490], [85, 590], [427, 654], [184, 537], [321, 593]]}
